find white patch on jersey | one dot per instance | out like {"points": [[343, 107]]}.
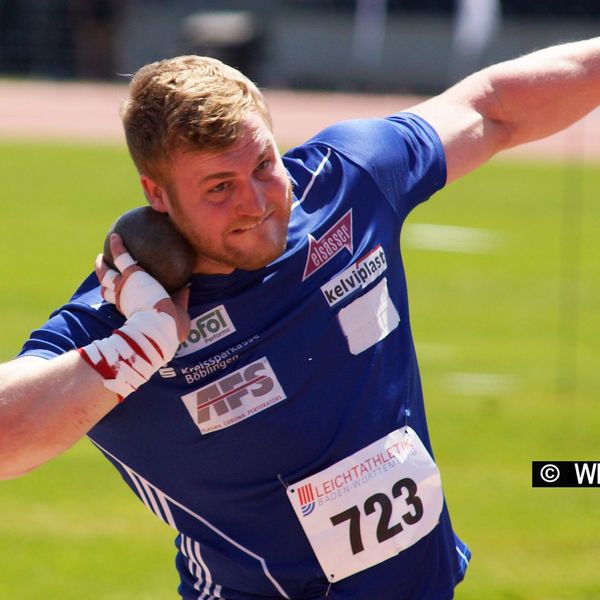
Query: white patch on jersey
{"points": [[235, 397], [369, 319]]}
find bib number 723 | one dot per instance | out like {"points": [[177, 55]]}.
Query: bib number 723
{"points": [[384, 531]]}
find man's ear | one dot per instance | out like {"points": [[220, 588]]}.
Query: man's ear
{"points": [[155, 194]]}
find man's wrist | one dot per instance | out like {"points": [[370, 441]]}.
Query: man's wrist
{"points": [[132, 354]]}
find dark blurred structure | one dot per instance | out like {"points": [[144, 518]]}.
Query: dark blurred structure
{"points": [[235, 37], [59, 38], [543, 8], [93, 28], [375, 45]]}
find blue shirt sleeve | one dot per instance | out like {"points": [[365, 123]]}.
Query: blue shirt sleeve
{"points": [[74, 325], [401, 153], [57, 336]]}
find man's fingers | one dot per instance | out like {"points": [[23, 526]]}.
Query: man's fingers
{"points": [[182, 297], [122, 259], [107, 277], [176, 306], [130, 288], [125, 263], [109, 296], [108, 280], [117, 247], [181, 300], [100, 267]]}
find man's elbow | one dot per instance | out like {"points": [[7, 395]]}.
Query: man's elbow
{"points": [[15, 464], [9, 472], [17, 457]]}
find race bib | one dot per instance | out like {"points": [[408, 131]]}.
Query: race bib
{"points": [[369, 506]]}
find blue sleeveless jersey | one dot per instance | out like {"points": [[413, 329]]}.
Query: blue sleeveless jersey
{"points": [[286, 371]]}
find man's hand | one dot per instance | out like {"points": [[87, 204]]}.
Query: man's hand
{"points": [[140, 294], [156, 324]]}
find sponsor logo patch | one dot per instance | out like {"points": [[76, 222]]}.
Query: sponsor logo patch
{"points": [[235, 397], [207, 329], [167, 372], [364, 271], [331, 243]]}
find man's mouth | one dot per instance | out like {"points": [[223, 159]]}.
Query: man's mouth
{"points": [[247, 228], [251, 226]]}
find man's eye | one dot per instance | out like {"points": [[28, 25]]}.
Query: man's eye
{"points": [[263, 165], [221, 187]]}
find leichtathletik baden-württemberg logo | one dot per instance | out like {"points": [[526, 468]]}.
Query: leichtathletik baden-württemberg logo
{"points": [[307, 499]]}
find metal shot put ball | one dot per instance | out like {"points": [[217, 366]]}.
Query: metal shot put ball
{"points": [[156, 245]]}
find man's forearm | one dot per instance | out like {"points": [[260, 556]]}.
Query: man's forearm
{"points": [[46, 406]]}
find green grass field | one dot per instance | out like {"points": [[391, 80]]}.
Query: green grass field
{"points": [[505, 381]]}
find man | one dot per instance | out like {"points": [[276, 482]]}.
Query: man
{"points": [[285, 437]]}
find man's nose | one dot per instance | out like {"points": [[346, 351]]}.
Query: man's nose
{"points": [[251, 201]]}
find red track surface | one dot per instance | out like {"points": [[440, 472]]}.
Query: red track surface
{"points": [[81, 111]]}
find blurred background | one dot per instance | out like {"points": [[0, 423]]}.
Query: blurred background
{"points": [[502, 266], [376, 45]]}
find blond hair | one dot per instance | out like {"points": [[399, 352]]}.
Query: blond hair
{"points": [[191, 103]]}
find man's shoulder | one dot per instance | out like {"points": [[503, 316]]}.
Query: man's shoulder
{"points": [[359, 133], [368, 143], [401, 154]]}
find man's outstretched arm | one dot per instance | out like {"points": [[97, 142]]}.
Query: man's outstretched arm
{"points": [[514, 102], [45, 407]]}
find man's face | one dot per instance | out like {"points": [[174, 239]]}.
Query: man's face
{"points": [[232, 205]]}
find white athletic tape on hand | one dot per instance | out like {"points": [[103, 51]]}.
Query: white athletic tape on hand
{"points": [[109, 296], [140, 292], [123, 261], [130, 356], [149, 350], [123, 372], [118, 387], [108, 281], [93, 353], [143, 369], [164, 334]]}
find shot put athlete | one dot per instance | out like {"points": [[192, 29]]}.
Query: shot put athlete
{"points": [[272, 413]]}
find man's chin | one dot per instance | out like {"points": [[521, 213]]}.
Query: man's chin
{"points": [[252, 261]]}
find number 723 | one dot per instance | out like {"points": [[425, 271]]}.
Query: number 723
{"points": [[385, 530]]}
